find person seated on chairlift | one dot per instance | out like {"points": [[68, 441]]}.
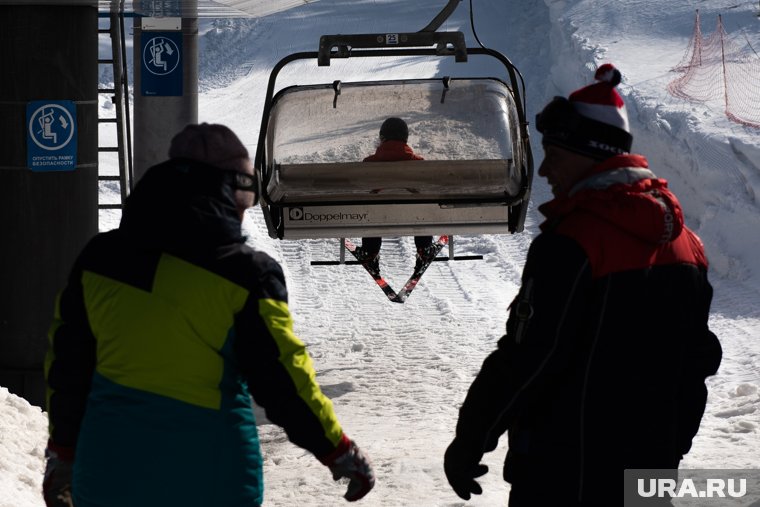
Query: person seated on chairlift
{"points": [[394, 134]]}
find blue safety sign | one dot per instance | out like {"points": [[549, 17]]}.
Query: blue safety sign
{"points": [[51, 143], [161, 63]]}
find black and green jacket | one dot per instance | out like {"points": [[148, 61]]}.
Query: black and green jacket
{"points": [[164, 328]]}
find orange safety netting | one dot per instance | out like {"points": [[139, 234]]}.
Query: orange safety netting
{"points": [[719, 68]]}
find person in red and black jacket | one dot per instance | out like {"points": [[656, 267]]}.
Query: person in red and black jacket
{"points": [[603, 365], [394, 134]]}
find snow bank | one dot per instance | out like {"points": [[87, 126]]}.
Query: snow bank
{"points": [[23, 433]]}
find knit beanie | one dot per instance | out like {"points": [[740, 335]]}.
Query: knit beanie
{"points": [[592, 121], [394, 129], [213, 144]]}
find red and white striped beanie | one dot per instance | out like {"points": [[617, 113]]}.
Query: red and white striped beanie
{"points": [[592, 121], [601, 101]]}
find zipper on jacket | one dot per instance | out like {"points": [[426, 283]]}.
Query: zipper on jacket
{"points": [[523, 310]]}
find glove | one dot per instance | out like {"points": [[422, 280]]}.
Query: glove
{"points": [[56, 486], [462, 467], [349, 461]]}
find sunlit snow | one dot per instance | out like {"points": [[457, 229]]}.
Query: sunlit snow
{"points": [[397, 373]]}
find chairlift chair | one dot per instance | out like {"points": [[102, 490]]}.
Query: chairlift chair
{"points": [[472, 132]]}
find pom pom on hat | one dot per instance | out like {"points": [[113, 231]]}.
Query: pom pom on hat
{"points": [[609, 74], [213, 144], [592, 121]]}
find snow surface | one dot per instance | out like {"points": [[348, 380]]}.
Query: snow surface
{"points": [[397, 373]]}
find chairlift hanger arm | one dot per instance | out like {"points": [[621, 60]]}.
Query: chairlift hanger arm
{"points": [[447, 43], [442, 16]]}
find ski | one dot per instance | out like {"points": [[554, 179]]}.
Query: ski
{"points": [[409, 286], [379, 280]]}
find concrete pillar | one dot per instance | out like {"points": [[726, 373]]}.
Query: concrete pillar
{"points": [[48, 54], [158, 117]]}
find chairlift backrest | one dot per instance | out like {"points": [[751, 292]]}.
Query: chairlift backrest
{"points": [[466, 119]]}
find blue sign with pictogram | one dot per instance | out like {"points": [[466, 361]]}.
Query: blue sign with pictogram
{"points": [[51, 143], [161, 64]]}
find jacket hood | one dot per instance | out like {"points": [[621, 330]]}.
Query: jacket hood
{"points": [[182, 205], [623, 190]]}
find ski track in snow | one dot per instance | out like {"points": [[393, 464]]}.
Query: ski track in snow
{"points": [[395, 371]]}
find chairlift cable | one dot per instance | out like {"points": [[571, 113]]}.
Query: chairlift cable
{"points": [[491, 51], [474, 32]]}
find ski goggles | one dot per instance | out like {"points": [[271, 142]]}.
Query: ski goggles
{"points": [[244, 181]]}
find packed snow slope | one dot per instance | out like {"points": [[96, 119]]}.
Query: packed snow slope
{"points": [[397, 373]]}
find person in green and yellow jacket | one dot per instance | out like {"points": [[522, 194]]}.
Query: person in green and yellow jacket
{"points": [[166, 328]]}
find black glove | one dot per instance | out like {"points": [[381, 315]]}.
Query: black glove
{"points": [[56, 486], [462, 467], [349, 461]]}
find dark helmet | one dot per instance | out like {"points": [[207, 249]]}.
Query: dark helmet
{"points": [[394, 129]]}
